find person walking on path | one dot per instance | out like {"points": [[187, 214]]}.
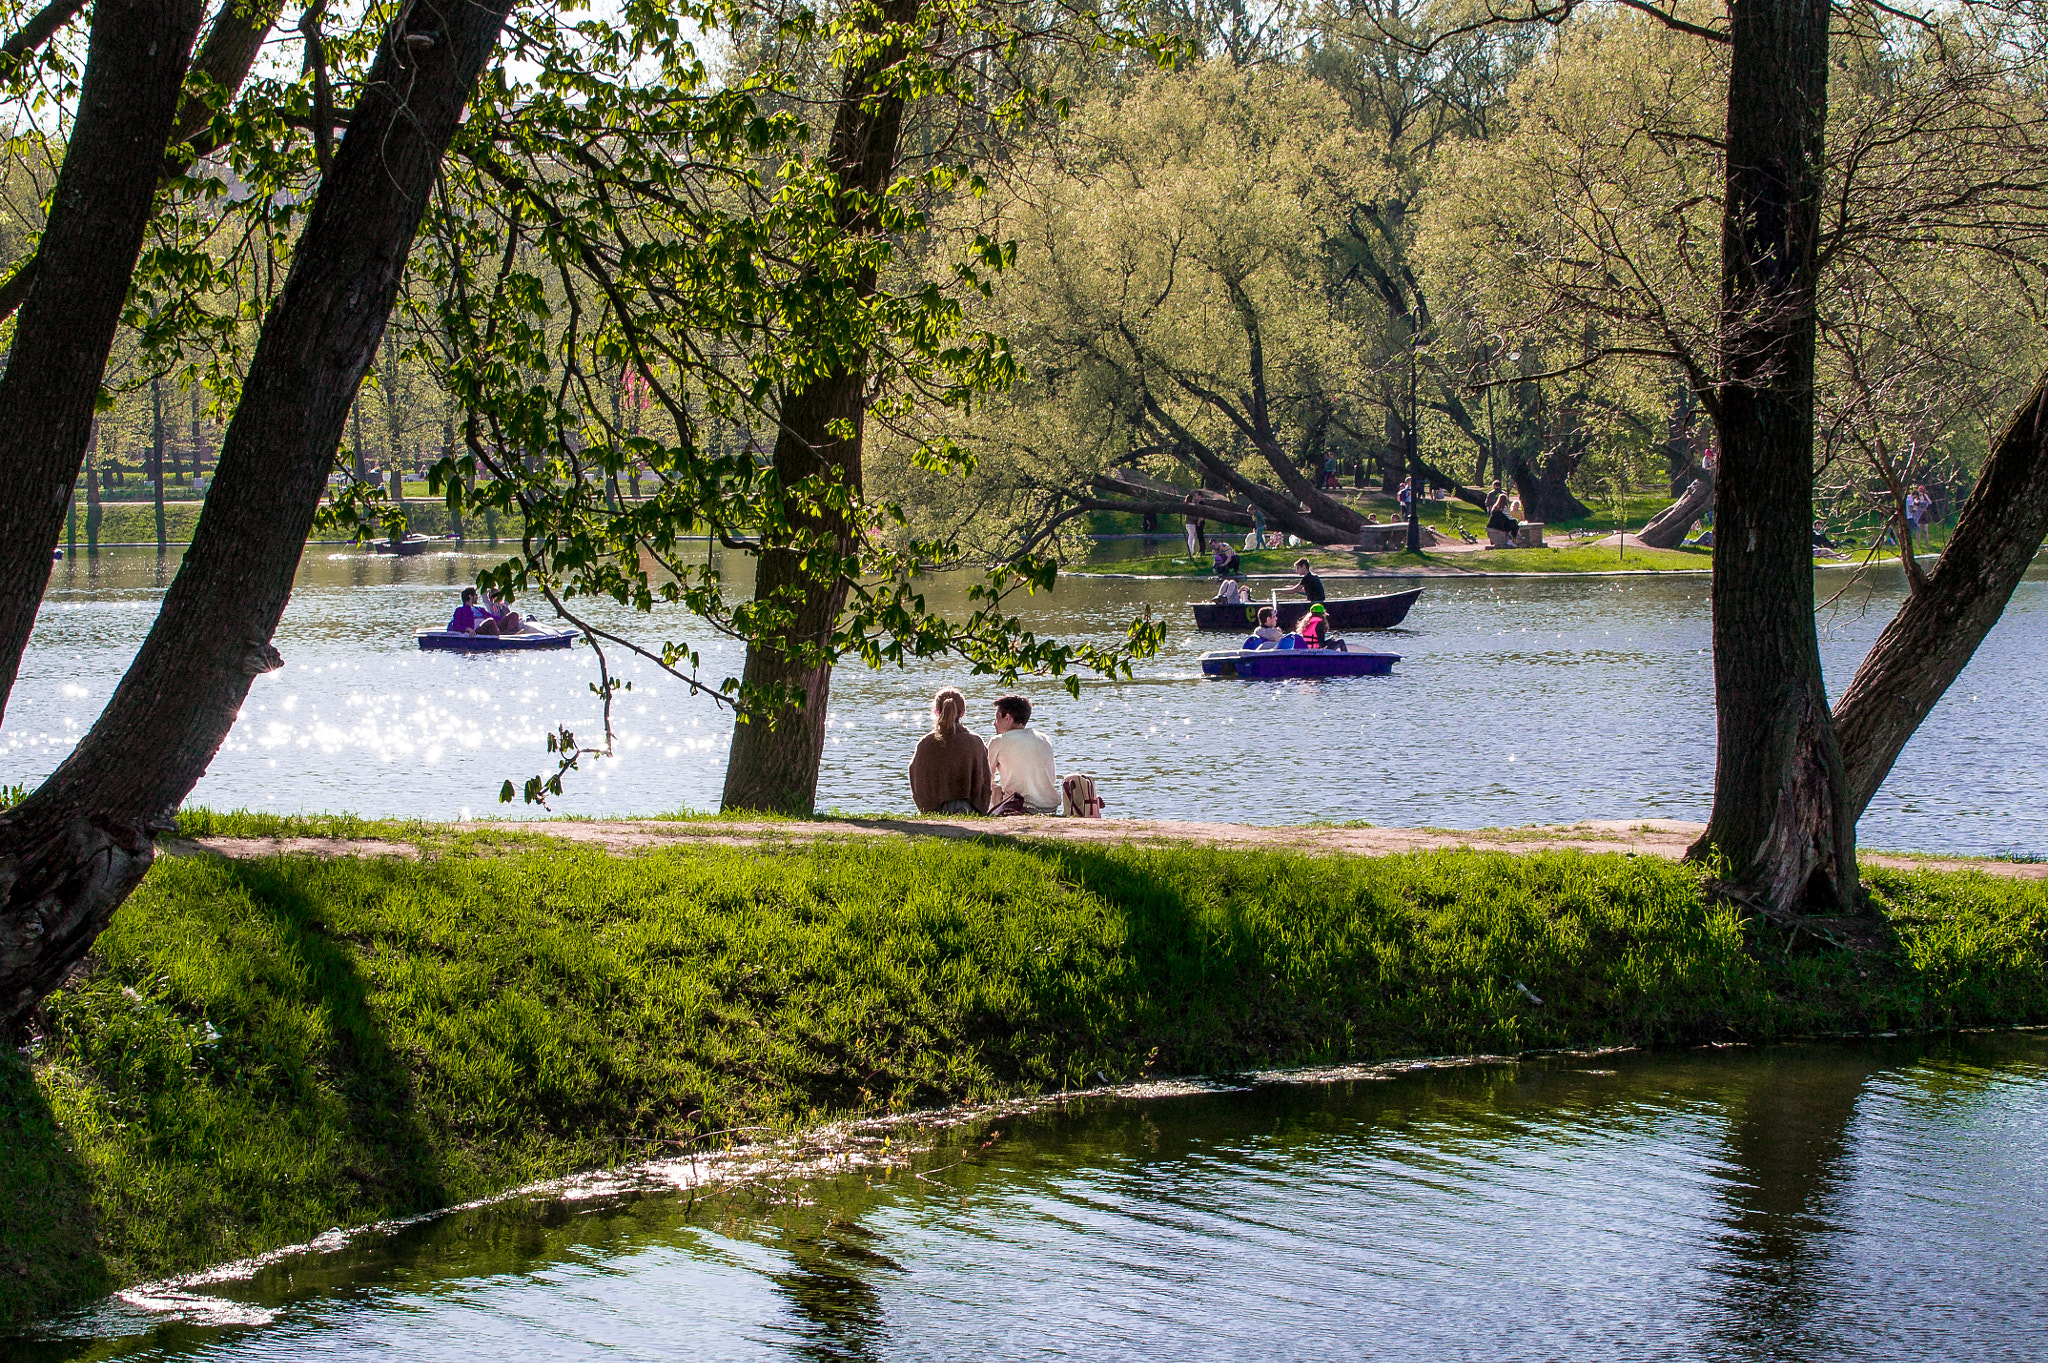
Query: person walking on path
{"points": [[1020, 763], [949, 773]]}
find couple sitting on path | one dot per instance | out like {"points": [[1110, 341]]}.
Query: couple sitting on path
{"points": [[954, 772]]}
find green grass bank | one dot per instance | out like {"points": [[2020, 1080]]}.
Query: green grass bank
{"points": [[263, 1049]]}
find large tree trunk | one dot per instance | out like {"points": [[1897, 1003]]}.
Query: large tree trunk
{"points": [[776, 750], [1952, 608], [74, 849], [135, 62], [1666, 529], [1781, 819], [1545, 492]]}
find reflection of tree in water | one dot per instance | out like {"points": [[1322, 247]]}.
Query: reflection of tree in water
{"points": [[840, 1312], [1788, 1139]]}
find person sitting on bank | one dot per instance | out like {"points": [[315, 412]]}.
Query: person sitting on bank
{"points": [[949, 770], [1020, 763], [1310, 585], [1224, 559], [1499, 519], [1268, 634], [470, 618]]}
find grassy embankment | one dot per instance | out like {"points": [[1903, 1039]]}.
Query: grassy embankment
{"points": [[264, 1049]]}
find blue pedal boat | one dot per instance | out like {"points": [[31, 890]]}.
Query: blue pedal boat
{"points": [[1260, 664], [442, 640]]}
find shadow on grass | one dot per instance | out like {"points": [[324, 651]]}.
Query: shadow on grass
{"points": [[398, 1168], [49, 1255]]}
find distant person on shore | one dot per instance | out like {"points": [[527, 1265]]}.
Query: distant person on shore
{"points": [[1499, 519], [1310, 585], [1020, 763], [470, 618], [1224, 558], [1919, 508], [949, 770], [1406, 496]]}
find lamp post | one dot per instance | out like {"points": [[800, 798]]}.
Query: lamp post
{"points": [[1414, 458]]}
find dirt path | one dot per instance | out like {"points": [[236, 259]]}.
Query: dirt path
{"points": [[1650, 837]]}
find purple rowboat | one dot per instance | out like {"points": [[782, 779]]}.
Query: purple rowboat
{"points": [[1260, 664]]}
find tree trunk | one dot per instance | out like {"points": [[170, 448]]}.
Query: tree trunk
{"points": [[1680, 462], [92, 498], [394, 421], [156, 456], [198, 434], [1781, 821], [1952, 607], [776, 751], [135, 61], [448, 453], [1666, 530], [1545, 493], [74, 849]]}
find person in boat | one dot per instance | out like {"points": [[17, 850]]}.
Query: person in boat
{"points": [[1233, 593], [470, 618], [1310, 585], [508, 620], [949, 770], [1224, 558], [1315, 627], [1020, 763], [1268, 634]]}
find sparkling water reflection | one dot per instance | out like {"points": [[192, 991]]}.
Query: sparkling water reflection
{"points": [[1881, 1201], [1518, 700]]}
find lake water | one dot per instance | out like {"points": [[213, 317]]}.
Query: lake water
{"points": [[1876, 1201], [1518, 700]]}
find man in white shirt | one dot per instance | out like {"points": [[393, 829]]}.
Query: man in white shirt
{"points": [[1020, 761]]}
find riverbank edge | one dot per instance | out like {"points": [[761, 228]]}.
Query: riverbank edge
{"points": [[1459, 945], [1369, 573]]}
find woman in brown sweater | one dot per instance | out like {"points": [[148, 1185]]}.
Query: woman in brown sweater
{"points": [[949, 772]]}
